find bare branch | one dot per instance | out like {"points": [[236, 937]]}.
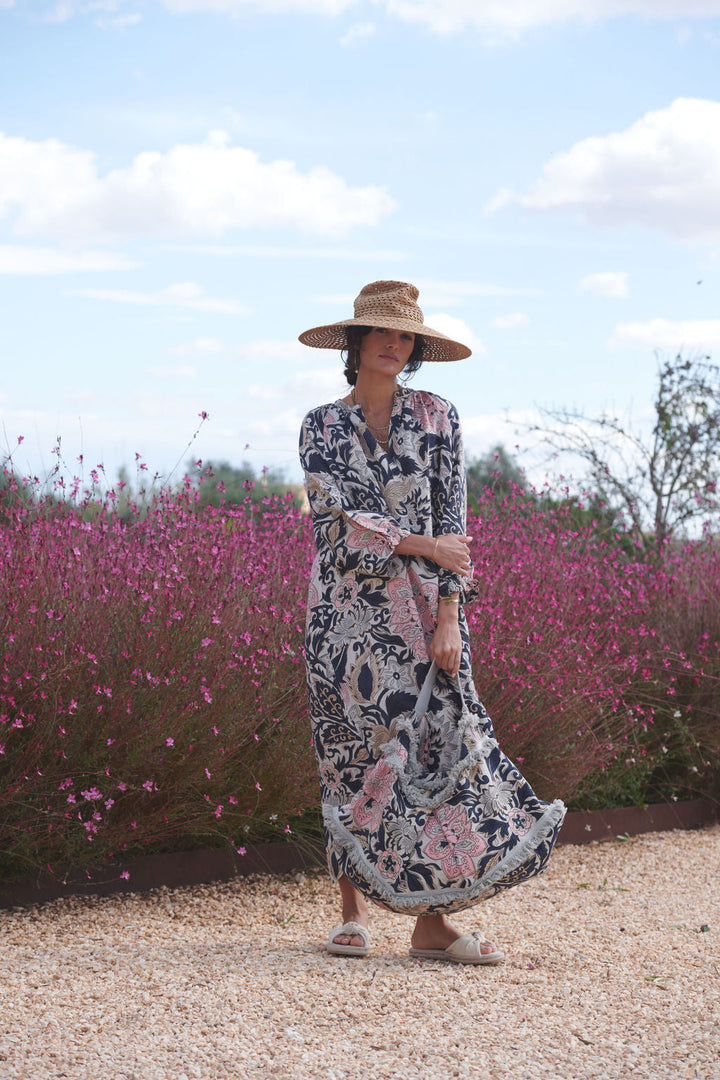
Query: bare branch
{"points": [[667, 481]]}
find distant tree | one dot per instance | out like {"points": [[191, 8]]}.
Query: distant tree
{"points": [[664, 482], [497, 470], [13, 489], [222, 482]]}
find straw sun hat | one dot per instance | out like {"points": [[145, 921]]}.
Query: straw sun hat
{"points": [[391, 304]]}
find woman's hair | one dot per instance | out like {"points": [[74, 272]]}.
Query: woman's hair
{"points": [[350, 355]]}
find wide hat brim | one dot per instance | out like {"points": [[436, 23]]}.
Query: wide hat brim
{"points": [[437, 346]]}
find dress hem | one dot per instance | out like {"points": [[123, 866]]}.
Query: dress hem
{"points": [[412, 903]]}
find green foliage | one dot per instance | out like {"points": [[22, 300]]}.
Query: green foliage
{"points": [[499, 473], [220, 482], [665, 762], [496, 471], [590, 511], [13, 491]]}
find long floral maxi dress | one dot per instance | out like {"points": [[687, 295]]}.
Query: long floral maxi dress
{"points": [[421, 815]]}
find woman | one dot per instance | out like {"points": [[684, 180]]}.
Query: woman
{"points": [[386, 484]]}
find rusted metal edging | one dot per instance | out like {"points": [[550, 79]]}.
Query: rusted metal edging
{"points": [[206, 865]]}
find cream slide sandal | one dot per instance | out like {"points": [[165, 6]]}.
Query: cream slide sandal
{"points": [[465, 950], [350, 929]]}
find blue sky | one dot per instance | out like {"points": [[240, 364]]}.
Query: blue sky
{"points": [[186, 185]]}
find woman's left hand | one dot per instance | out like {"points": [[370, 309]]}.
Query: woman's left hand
{"points": [[446, 647]]}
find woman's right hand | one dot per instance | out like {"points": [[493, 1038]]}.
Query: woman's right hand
{"points": [[452, 552]]}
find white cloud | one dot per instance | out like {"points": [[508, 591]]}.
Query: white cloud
{"points": [[63, 10], [198, 346], [15, 259], [663, 172], [264, 7], [358, 32], [260, 353], [184, 295], [280, 425], [84, 399], [481, 431], [59, 13], [688, 336], [309, 387], [262, 392], [182, 372], [335, 299], [509, 322], [456, 329], [508, 17], [268, 350], [119, 22], [203, 188], [319, 383], [269, 251], [612, 284], [452, 293], [446, 16]]}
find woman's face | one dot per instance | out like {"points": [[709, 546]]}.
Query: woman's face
{"points": [[385, 351]]}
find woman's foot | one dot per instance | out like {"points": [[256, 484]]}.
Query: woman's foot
{"points": [[354, 909], [436, 932]]}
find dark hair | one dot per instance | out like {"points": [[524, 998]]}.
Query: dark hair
{"points": [[350, 355]]}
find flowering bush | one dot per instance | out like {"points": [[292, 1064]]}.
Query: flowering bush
{"points": [[152, 683], [152, 690], [592, 662]]}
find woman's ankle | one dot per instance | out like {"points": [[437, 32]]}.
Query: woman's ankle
{"points": [[354, 907]]}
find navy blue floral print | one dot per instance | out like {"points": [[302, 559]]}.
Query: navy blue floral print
{"points": [[422, 815]]}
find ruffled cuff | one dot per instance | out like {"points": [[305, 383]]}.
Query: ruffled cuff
{"points": [[453, 583], [374, 539], [387, 534]]}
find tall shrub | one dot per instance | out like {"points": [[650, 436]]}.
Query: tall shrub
{"points": [[152, 689]]}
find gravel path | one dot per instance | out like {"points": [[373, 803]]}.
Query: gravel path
{"points": [[613, 971]]}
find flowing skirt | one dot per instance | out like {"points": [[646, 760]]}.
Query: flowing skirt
{"points": [[423, 813]]}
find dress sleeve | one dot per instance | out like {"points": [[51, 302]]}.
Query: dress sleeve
{"points": [[354, 530], [450, 506]]}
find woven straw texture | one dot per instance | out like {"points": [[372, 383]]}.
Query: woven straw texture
{"points": [[391, 304]]}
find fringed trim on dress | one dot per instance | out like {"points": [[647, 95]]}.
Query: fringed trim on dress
{"points": [[450, 781], [542, 833]]}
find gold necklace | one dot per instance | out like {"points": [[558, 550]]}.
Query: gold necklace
{"points": [[382, 434]]}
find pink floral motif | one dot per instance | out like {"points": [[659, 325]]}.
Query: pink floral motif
{"points": [[520, 822], [432, 413], [377, 524], [406, 616], [344, 593], [368, 806], [389, 864], [426, 601], [453, 841], [370, 540], [329, 776]]}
